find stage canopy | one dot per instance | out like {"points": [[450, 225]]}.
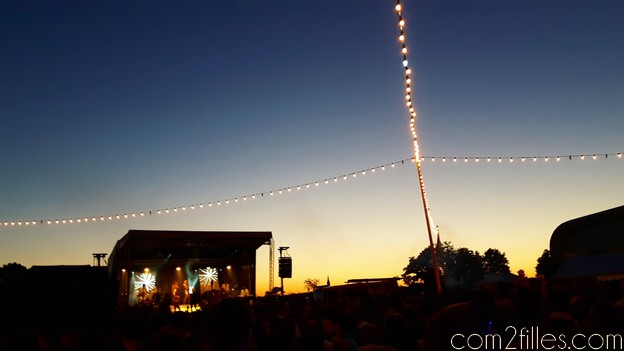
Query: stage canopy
{"points": [[165, 257]]}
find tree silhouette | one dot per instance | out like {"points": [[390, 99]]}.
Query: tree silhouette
{"points": [[495, 261], [466, 268], [12, 271], [420, 269], [458, 267], [310, 284], [546, 265]]}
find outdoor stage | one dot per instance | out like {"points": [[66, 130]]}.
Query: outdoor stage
{"points": [[184, 264]]}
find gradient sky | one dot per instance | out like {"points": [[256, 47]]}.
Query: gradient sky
{"points": [[113, 107]]}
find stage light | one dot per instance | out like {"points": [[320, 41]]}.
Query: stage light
{"points": [[146, 270], [208, 276], [145, 278], [228, 267], [178, 269], [123, 270]]}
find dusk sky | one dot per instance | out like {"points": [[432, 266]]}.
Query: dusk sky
{"points": [[117, 107]]}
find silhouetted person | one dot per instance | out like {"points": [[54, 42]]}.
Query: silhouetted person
{"points": [[142, 294], [229, 326], [175, 296], [449, 327], [186, 291]]}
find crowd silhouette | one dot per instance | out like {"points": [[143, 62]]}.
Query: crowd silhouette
{"points": [[406, 320]]}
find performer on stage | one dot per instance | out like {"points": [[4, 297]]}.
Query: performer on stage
{"points": [[142, 294], [175, 296], [187, 297]]}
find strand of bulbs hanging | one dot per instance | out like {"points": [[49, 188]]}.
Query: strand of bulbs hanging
{"points": [[310, 185], [412, 117]]}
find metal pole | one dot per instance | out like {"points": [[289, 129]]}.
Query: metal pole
{"points": [[436, 271]]}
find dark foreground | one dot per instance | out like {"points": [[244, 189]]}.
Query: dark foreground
{"points": [[510, 314]]}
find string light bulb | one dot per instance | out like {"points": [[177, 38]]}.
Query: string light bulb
{"points": [[413, 159]]}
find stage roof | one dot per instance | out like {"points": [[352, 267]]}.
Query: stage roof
{"points": [[156, 245]]}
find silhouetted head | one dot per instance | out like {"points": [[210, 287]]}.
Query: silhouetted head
{"points": [[229, 326]]}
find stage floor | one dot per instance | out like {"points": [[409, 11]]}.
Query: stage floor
{"points": [[186, 308]]}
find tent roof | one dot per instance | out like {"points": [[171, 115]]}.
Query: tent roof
{"points": [[592, 245], [595, 233]]}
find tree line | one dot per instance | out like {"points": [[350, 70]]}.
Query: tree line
{"points": [[463, 267]]}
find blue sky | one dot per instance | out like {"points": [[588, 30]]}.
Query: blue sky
{"points": [[114, 107]]}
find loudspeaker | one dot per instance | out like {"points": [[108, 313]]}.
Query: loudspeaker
{"points": [[285, 267]]}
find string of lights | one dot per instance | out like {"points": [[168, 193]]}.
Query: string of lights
{"points": [[512, 159], [410, 107], [412, 118], [306, 186]]}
